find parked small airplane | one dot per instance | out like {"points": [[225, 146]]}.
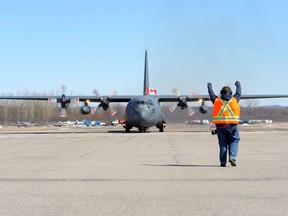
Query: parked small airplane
{"points": [[24, 124], [142, 111], [90, 123], [85, 123], [64, 124]]}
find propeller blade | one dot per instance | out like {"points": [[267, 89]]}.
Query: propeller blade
{"points": [[173, 108], [194, 93], [63, 89], [95, 92], [191, 111], [114, 92], [113, 113], [95, 110], [176, 92], [52, 100], [63, 113], [75, 100]]}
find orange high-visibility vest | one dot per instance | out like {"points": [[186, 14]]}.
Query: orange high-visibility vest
{"points": [[226, 112]]}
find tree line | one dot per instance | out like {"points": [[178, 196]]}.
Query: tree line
{"points": [[43, 112]]}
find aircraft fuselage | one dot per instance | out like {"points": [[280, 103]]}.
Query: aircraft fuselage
{"points": [[143, 112]]}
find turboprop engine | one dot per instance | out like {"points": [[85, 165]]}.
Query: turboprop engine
{"points": [[203, 108], [182, 103], [86, 109]]}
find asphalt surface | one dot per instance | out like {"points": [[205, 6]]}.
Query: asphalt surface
{"points": [[104, 171]]}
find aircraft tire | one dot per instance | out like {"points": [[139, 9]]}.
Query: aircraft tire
{"points": [[127, 129], [142, 130], [161, 128]]}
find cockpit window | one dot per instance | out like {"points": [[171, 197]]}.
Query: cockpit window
{"points": [[148, 103]]}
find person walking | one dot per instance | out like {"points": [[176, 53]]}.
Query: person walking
{"points": [[226, 115]]}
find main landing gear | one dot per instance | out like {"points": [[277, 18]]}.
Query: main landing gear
{"points": [[161, 126]]}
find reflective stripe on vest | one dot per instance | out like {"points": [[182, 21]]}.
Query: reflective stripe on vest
{"points": [[226, 112]]}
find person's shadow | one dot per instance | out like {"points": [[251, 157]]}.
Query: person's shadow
{"points": [[181, 165]]}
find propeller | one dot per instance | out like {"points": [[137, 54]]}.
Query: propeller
{"points": [[182, 102], [203, 108], [64, 102], [105, 102], [190, 109]]}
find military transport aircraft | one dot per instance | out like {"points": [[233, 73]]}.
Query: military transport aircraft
{"points": [[142, 111]]}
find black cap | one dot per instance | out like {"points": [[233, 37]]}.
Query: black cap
{"points": [[226, 90]]}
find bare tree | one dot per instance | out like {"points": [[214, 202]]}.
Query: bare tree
{"points": [[250, 106]]}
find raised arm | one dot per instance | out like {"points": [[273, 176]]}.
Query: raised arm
{"points": [[237, 95], [211, 92]]}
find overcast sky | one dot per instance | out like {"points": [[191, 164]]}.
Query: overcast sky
{"points": [[92, 44]]}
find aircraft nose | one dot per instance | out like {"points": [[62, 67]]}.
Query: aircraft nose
{"points": [[143, 116], [140, 118]]}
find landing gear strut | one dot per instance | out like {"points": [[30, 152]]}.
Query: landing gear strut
{"points": [[127, 128], [142, 130], [161, 126]]}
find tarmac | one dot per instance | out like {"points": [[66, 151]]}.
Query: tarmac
{"points": [[105, 171]]}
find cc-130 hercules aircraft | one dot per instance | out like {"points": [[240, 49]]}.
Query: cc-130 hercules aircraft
{"points": [[142, 111]]}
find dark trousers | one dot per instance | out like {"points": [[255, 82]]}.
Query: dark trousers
{"points": [[228, 138]]}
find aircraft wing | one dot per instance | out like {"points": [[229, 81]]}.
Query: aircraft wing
{"points": [[200, 98], [243, 97], [174, 98], [127, 98], [27, 97], [116, 98]]}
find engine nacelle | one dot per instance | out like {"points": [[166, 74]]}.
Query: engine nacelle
{"points": [[203, 109], [104, 106], [105, 102], [85, 110], [182, 104]]}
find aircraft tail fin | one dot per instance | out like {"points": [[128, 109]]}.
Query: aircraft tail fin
{"points": [[147, 90], [146, 76]]}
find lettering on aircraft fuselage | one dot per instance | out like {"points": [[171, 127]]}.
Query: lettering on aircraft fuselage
{"points": [[142, 104]]}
